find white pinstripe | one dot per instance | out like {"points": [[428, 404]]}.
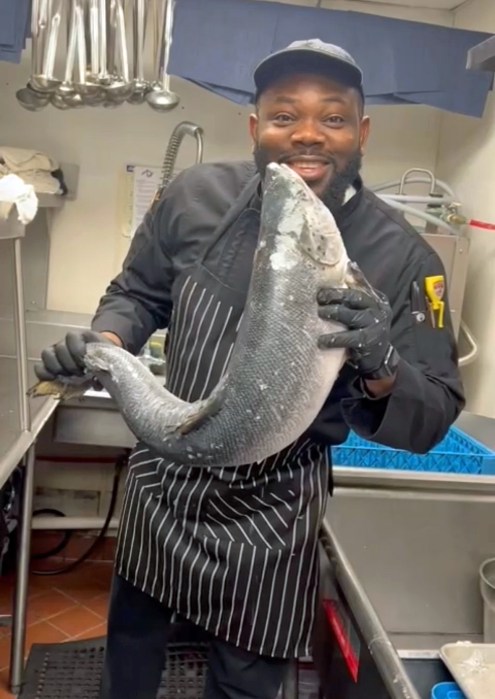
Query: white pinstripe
{"points": [[179, 578]]}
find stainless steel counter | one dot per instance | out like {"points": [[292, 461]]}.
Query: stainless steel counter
{"points": [[14, 442], [479, 427], [430, 532], [93, 420]]}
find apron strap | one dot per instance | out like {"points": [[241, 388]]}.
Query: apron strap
{"points": [[233, 212]]}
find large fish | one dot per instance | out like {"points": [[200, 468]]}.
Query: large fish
{"points": [[277, 379]]}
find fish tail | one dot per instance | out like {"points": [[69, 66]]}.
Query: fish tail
{"points": [[58, 389]]}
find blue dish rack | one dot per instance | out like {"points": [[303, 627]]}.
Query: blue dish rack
{"points": [[456, 453]]}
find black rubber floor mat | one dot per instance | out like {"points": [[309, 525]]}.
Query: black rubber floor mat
{"points": [[72, 670]]}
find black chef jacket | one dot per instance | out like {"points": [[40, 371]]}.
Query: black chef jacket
{"points": [[428, 394]]}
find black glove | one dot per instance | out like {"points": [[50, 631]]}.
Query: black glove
{"points": [[66, 357], [367, 317]]}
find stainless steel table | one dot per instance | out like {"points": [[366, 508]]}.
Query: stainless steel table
{"points": [[15, 442], [21, 420], [17, 445]]}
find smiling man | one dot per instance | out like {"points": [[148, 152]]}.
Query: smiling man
{"points": [[234, 551], [311, 117]]}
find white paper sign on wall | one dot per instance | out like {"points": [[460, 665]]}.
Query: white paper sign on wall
{"points": [[142, 183]]}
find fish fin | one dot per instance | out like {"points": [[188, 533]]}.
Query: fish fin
{"points": [[355, 279], [210, 407], [194, 421]]}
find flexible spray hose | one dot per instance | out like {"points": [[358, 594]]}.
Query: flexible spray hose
{"points": [[185, 128]]}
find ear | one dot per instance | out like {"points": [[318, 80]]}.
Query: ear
{"points": [[253, 127], [364, 132]]}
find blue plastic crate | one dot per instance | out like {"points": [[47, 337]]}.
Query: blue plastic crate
{"points": [[456, 453], [447, 690]]}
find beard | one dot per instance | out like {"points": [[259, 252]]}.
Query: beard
{"points": [[334, 193]]}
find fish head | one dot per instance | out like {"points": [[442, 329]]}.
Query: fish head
{"points": [[302, 222]]}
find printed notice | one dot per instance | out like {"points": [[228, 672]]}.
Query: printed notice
{"points": [[145, 183]]}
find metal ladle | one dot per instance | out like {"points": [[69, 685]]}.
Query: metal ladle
{"points": [[31, 100], [140, 86], [27, 97], [46, 81], [160, 97], [89, 91], [119, 87], [96, 95], [65, 96]]}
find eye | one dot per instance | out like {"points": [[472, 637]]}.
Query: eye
{"points": [[283, 118], [334, 120]]}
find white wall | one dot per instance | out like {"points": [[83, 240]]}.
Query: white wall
{"points": [[87, 245], [466, 159]]}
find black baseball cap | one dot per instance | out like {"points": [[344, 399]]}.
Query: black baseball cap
{"points": [[307, 56]]}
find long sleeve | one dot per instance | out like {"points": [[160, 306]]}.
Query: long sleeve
{"points": [[138, 300], [170, 239], [428, 394]]}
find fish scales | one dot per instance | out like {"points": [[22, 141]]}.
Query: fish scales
{"points": [[278, 378]]}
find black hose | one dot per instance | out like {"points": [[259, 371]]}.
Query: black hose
{"points": [[66, 535], [119, 466]]}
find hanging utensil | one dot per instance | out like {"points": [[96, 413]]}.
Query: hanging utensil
{"points": [[27, 97], [90, 91], [94, 27], [161, 97], [97, 40], [102, 35], [140, 86], [65, 96], [45, 81], [119, 87]]}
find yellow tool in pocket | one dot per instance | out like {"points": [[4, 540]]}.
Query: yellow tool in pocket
{"points": [[435, 290]]}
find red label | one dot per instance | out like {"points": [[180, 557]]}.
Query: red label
{"points": [[338, 621]]}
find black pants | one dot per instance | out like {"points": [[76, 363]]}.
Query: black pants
{"points": [[138, 630]]}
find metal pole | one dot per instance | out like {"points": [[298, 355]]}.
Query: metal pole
{"points": [[20, 332], [21, 589], [387, 661], [290, 685]]}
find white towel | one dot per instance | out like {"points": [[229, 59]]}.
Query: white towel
{"points": [[22, 160], [43, 182], [15, 192]]}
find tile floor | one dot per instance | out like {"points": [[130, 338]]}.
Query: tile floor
{"points": [[61, 608]]}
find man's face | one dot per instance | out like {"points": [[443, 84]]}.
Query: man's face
{"points": [[315, 126]]}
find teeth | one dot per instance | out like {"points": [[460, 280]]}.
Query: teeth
{"points": [[306, 165]]}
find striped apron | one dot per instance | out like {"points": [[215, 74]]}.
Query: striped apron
{"points": [[233, 550]]}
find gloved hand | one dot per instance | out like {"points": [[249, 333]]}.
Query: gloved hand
{"points": [[367, 317], [65, 358]]}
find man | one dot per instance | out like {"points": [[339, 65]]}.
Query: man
{"points": [[235, 550]]}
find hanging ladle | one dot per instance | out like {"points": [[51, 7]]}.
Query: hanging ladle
{"points": [[119, 88], [65, 96], [140, 86], [46, 81], [27, 97], [85, 86], [160, 97]]}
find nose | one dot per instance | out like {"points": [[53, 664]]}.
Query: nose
{"points": [[308, 132]]}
